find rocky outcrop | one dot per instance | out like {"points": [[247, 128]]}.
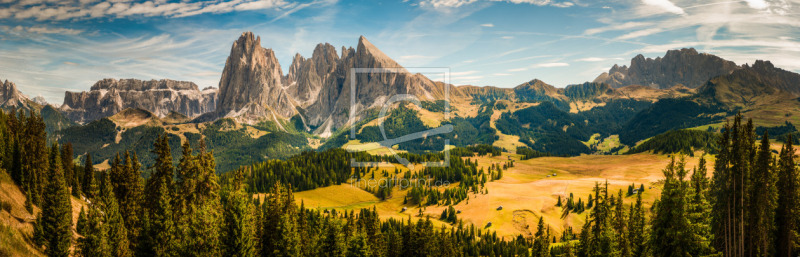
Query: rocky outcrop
{"points": [[318, 88], [784, 80], [678, 67], [251, 85], [110, 96], [10, 97]]}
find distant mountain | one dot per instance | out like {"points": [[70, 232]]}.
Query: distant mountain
{"points": [[10, 97], [684, 67], [253, 88], [110, 96]]}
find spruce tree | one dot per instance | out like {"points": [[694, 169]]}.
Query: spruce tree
{"points": [[56, 218], [239, 228], [787, 212], [637, 234], [541, 244], [159, 234], [95, 238], [117, 234], [763, 195], [89, 186]]}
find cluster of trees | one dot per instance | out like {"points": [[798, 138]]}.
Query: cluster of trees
{"points": [[754, 194], [528, 153], [684, 141]]}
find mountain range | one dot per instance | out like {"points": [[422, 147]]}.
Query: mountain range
{"points": [[274, 115]]}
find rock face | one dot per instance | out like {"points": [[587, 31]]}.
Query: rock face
{"points": [[110, 96], [10, 97], [318, 88], [251, 84], [678, 67]]}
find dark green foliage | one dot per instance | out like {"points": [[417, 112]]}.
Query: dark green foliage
{"points": [[552, 129], [235, 147], [673, 233], [784, 129], [684, 141], [587, 90], [90, 137], [788, 186], [528, 153], [54, 121], [669, 114], [731, 187], [95, 238], [238, 238], [56, 216], [159, 228], [763, 197], [435, 106]]}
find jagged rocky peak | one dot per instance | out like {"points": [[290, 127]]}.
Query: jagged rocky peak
{"points": [[10, 96], [251, 84], [110, 96], [685, 66]]}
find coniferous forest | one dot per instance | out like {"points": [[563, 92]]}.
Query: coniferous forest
{"points": [[746, 207]]}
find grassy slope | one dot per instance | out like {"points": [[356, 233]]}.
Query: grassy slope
{"points": [[525, 191], [16, 227]]}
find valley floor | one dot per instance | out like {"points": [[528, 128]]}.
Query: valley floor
{"points": [[525, 192]]}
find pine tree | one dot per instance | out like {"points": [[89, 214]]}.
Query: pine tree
{"points": [[762, 203], [117, 234], [80, 226], [67, 164], [239, 229], [699, 209], [159, 230], [673, 233], [637, 234], [89, 186], [56, 218], [731, 187], [787, 211], [95, 239], [541, 244], [621, 227]]}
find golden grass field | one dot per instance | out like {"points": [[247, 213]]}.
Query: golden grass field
{"points": [[525, 191]]}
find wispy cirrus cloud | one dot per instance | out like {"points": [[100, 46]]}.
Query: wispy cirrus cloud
{"points": [[70, 10]]}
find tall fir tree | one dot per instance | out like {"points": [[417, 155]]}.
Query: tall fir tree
{"points": [[541, 244], [763, 196], [89, 186], [239, 233], [788, 210], [730, 189], [699, 209], [159, 228], [672, 233], [117, 233], [56, 216], [95, 237]]}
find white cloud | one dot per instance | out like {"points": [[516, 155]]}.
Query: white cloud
{"points": [[507, 37], [41, 10], [550, 65], [488, 25], [591, 59], [501, 74], [665, 5], [436, 4], [517, 69], [757, 4]]}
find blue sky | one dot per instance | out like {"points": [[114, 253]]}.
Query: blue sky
{"points": [[49, 46]]}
